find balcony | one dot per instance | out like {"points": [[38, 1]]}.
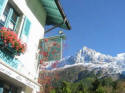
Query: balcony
{"points": [[10, 46], [10, 60]]}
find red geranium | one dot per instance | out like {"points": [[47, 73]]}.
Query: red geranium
{"points": [[46, 40], [10, 38]]}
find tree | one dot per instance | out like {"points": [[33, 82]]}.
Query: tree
{"points": [[53, 91], [100, 89], [66, 87], [96, 84]]}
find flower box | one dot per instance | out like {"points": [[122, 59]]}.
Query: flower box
{"points": [[10, 42]]}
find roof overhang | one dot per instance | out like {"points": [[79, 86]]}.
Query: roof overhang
{"points": [[55, 14]]}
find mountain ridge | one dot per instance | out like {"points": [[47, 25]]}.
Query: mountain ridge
{"points": [[92, 59]]}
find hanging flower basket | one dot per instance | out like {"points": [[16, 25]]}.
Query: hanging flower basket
{"points": [[10, 41]]}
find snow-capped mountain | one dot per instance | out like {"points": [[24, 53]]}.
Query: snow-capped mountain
{"points": [[87, 55], [94, 60]]}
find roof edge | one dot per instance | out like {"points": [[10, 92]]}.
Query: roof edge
{"points": [[63, 14]]}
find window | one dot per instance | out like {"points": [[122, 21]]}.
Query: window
{"points": [[7, 87], [9, 18]]}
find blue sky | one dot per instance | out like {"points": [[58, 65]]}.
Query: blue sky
{"points": [[97, 24]]}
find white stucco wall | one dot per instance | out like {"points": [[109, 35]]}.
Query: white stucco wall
{"points": [[28, 59]]}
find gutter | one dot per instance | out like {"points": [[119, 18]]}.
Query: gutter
{"points": [[63, 14]]}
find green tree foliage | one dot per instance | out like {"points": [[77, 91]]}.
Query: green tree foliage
{"points": [[66, 87], [53, 91], [91, 85], [100, 89]]}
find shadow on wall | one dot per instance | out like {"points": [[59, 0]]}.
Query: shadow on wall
{"points": [[38, 10]]}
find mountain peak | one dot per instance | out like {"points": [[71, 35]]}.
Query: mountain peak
{"points": [[93, 59], [85, 48]]}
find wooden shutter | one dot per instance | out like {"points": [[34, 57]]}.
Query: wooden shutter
{"points": [[1, 90], [26, 29], [2, 6]]}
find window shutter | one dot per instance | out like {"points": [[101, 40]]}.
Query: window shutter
{"points": [[2, 5], [26, 29], [1, 90]]}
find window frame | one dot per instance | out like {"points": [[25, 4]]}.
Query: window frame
{"points": [[20, 20], [9, 17]]}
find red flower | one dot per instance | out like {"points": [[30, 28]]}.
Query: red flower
{"points": [[54, 44], [41, 61], [5, 41], [3, 28], [46, 40], [10, 37], [45, 53]]}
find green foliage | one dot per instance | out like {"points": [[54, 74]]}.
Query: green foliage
{"points": [[53, 91], [91, 85], [100, 89]]}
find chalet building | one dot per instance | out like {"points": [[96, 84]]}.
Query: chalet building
{"points": [[22, 25]]}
